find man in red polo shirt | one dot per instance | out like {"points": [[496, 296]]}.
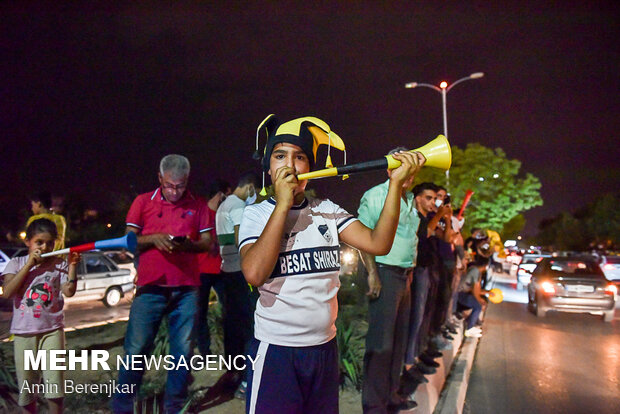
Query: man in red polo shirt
{"points": [[173, 227]]}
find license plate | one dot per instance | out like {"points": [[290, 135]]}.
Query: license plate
{"points": [[580, 288]]}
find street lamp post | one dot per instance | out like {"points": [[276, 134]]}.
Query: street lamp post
{"points": [[443, 89]]}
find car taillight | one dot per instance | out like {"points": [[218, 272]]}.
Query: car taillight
{"points": [[609, 266], [547, 287], [613, 289], [538, 259]]}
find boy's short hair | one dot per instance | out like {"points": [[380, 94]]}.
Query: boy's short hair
{"points": [[175, 164], [41, 225], [43, 197], [420, 188], [216, 186], [249, 177]]}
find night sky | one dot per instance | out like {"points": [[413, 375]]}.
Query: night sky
{"points": [[92, 95]]}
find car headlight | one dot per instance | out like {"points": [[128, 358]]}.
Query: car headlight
{"points": [[547, 287]]}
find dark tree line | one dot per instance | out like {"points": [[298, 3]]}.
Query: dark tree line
{"points": [[595, 226]]}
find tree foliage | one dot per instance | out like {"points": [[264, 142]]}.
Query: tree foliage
{"points": [[597, 225], [501, 194], [513, 227]]}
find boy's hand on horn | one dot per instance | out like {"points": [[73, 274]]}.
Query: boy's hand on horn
{"points": [[285, 183]]}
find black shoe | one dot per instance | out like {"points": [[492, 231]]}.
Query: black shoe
{"points": [[428, 361], [230, 380], [425, 369], [407, 386], [450, 329], [404, 405], [448, 336], [429, 354], [414, 374], [433, 353]]}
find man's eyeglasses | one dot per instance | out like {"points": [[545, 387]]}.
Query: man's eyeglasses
{"points": [[178, 187]]}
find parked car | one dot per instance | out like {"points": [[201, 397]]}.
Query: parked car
{"points": [[123, 259], [4, 259], [571, 284], [526, 267], [5, 304], [100, 278], [611, 268], [7, 252]]}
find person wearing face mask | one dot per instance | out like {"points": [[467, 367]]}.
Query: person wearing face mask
{"points": [[417, 365], [210, 263], [236, 298]]}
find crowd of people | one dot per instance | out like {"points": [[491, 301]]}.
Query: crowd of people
{"points": [[418, 293], [274, 266]]}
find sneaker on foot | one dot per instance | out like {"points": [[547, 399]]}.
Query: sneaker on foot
{"points": [[473, 333]]}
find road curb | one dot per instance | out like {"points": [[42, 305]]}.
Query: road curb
{"points": [[452, 398]]}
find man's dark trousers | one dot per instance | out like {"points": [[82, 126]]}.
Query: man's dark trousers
{"points": [[388, 327]]}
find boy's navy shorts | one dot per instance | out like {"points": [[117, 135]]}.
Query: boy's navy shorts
{"points": [[291, 380]]}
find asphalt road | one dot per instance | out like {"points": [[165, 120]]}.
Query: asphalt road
{"points": [[563, 363], [80, 313]]}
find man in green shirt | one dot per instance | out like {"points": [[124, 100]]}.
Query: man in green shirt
{"points": [[389, 279]]}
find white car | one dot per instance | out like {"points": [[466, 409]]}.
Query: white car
{"points": [[526, 267], [4, 259], [611, 267], [7, 253], [101, 279], [123, 259]]}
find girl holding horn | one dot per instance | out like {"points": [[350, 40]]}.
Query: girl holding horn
{"points": [[289, 247], [37, 285]]}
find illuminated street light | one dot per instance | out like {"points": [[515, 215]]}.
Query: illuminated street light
{"points": [[22, 235], [443, 89]]}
